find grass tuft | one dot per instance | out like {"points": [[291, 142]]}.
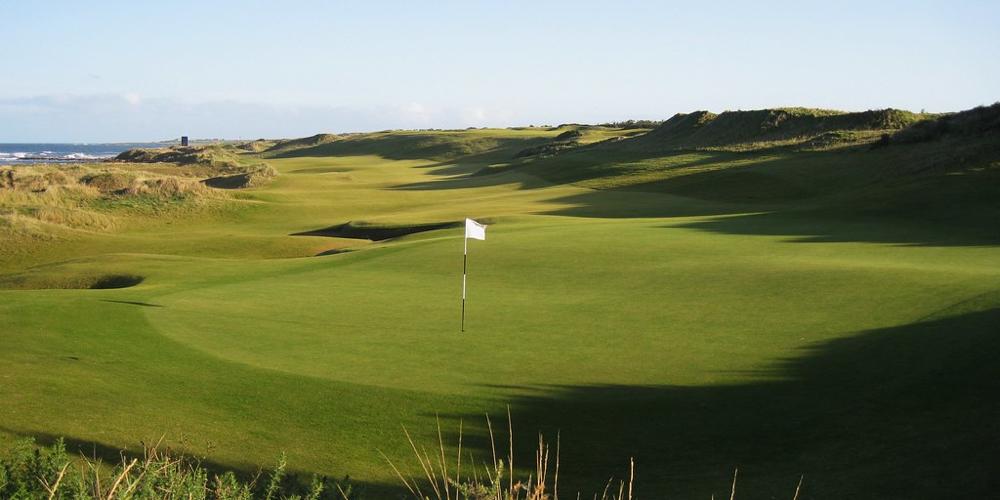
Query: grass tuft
{"points": [[496, 479], [29, 472]]}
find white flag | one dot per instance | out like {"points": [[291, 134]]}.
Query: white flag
{"points": [[474, 230]]}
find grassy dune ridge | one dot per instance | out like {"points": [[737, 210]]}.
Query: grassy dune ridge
{"points": [[701, 300]]}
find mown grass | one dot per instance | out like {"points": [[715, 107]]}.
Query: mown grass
{"points": [[790, 312]]}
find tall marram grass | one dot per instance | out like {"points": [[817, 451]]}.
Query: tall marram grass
{"points": [[443, 477], [36, 199], [447, 474]]}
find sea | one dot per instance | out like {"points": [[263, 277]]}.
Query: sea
{"points": [[21, 154]]}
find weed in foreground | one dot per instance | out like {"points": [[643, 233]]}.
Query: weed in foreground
{"points": [[28, 472], [497, 479]]}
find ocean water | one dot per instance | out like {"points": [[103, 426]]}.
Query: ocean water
{"points": [[18, 154]]}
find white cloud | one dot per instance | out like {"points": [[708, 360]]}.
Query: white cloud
{"points": [[132, 98], [415, 108], [474, 117], [416, 114]]}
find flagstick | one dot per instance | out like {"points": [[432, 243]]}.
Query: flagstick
{"points": [[465, 263]]}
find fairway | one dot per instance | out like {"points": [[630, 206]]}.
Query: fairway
{"points": [[694, 333]]}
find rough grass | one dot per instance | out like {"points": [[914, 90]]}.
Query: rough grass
{"points": [[795, 128], [493, 477], [577, 136], [28, 471], [255, 175], [257, 146], [974, 122], [51, 472], [304, 142], [218, 156], [32, 197], [428, 145], [95, 196]]}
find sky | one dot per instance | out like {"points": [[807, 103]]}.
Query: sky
{"points": [[107, 71]]}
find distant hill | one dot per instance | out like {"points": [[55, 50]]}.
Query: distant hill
{"points": [[216, 155], [414, 144], [784, 127], [304, 142], [970, 123], [775, 132]]}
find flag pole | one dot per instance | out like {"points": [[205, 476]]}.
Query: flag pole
{"points": [[465, 263]]}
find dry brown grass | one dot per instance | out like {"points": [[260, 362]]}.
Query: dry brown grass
{"points": [[34, 198]]}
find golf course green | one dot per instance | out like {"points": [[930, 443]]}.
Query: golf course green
{"points": [[821, 299]]}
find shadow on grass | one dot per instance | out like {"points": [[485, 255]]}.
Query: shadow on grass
{"points": [[902, 412], [334, 251], [827, 227], [532, 173], [375, 232], [510, 177], [132, 302], [940, 210], [585, 164]]}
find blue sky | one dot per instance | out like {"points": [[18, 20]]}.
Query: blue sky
{"points": [[122, 71]]}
